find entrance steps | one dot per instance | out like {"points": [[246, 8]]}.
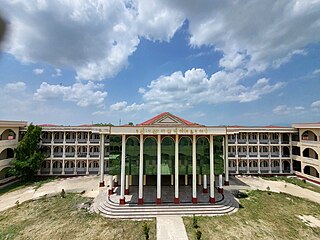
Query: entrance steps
{"points": [[103, 206]]}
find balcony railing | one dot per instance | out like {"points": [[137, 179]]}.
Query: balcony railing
{"points": [[274, 154], [242, 154], [94, 154], [241, 141], [231, 154], [263, 141], [80, 140], [82, 155], [231, 141], [253, 141], [284, 142], [57, 154], [70, 154], [285, 155], [44, 140], [253, 154], [58, 140], [93, 140], [264, 154], [274, 141], [70, 140]]}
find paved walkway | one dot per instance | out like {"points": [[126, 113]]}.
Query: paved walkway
{"points": [[171, 228], [89, 184], [280, 186]]}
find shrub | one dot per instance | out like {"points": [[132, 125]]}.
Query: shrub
{"points": [[146, 230]]}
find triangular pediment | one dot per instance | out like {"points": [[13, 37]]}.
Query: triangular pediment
{"points": [[166, 119]]}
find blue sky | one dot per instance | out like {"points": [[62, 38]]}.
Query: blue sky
{"points": [[211, 62]]}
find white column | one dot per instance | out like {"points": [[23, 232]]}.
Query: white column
{"points": [[290, 154], [226, 161], [280, 156], [159, 169], [211, 154], [220, 188], [123, 169], [110, 184], [126, 191], [194, 170], [101, 160], [63, 152], [176, 171], [140, 199], [205, 184]]}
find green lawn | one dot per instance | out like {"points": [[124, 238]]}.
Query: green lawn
{"points": [[60, 218], [295, 181], [263, 215]]}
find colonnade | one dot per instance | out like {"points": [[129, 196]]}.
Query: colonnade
{"points": [[124, 178]]}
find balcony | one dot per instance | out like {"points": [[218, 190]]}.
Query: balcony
{"points": [[264, 141], [57, 154], [82, 154], [242, 141], [242, 154], [285, 155], [94, 154], [253, 154], [46, 140], [70, 154], [93, 140], [232, 141], [58, 140], [274, 141], [264, 154], [284, 142], [72, 140], [231, 154], [253, 141], [275, 154], [81, 140]]}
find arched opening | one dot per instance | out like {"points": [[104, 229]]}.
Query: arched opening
{"points": [[285, 138], [81, 167], [253, 166], [94, 151], [46, 151], [150, 160], [285, 152], [57, 151], [82, 137], [132, 156], [70, 137], [167, 160], [8, 134], [286, 166], [203, 156], [46, 137], [45, 167], [185, 156], [57, 167], [310, 153], [58, 137], [115, 155], [243, 166], [309, 170], [82, 151], [94, 167], [69, 167], [275, 166], [70, 151], [309, 136], [7, 153], [264, 166], [296, 165], [5, 173]]}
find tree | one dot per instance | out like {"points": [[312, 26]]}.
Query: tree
{"points": [[130, 123], [28, 154]]}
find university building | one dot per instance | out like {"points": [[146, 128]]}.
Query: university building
{"points": [[170, 151]]}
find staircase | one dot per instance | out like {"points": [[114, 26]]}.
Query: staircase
{"points": [[103, 206]]}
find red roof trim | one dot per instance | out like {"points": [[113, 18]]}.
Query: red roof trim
{"points": [[161, 115]]}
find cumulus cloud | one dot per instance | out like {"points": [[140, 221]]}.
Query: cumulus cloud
{"points": [[82, 94], [123, 106], [38, 71], [16, 86], [315, 106], [58, 73], [184, 90], [96, 37], [285, 110]]}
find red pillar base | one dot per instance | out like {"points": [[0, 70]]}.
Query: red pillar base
{"points": [[140, 201], [194, 200], [159, 201], [205, 190], [226, 183], [115, 184], [220, 190], [126, 191], [122, 201], [212, 200], [110, 191], [101, 184], [176, 200]]}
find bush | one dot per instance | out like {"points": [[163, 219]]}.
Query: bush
{"points": [[198, 234], [195, 222], [63, 193], [146, 230]]}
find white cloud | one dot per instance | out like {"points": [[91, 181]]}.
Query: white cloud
{"points": [[316, 71], [58, 73], [38, 71], [118, 106], [16, 86], [285, 110], [83, 94], [123, 106], [184, 90], [315, 106]]}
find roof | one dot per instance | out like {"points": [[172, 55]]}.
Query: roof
{"points": [[167, 118]]}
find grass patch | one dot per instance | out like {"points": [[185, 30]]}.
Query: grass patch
{"points": [[295, 181], [61, 218], [22, 184], [263, 216]]}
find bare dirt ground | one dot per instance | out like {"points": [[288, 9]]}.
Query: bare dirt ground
{"points": [[279, 186], [89, 184]]}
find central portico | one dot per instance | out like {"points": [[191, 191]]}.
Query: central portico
{"points": [[165, 150]]}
